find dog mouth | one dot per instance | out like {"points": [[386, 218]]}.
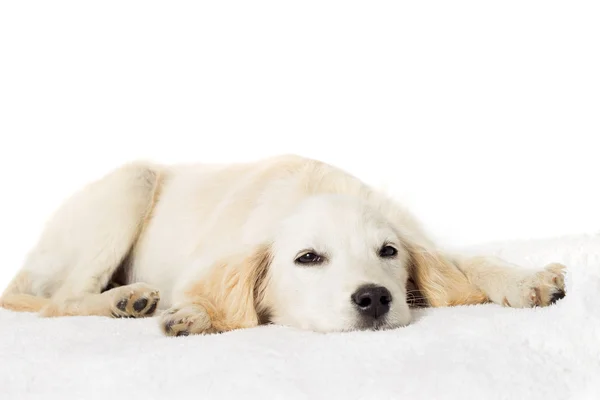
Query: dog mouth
{"points": [[375, 324]]}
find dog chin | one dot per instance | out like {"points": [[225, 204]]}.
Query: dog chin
{"points": [[370, 324], [381, 324]]}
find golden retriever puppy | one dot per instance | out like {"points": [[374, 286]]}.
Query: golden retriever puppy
{"points": [[285, 240]]}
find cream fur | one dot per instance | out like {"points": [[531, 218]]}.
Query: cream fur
{"points": [[213, 247]]}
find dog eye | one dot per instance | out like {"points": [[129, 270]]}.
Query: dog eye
{"points": [[387, 251], [309, 258]]}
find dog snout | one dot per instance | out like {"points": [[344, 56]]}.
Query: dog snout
{"points": [[372, 300]]}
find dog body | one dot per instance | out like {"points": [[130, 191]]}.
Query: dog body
{"points": [[287, 240]]}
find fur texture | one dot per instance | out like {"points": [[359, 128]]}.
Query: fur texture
{"points": [[222, 247]]}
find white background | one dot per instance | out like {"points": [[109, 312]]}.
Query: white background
{"points": [[484, 117]]}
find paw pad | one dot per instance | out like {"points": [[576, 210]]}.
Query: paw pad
{"points": [[137, 303], [557, 296]]}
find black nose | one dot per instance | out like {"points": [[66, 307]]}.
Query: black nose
{"points": [[371, 300]]}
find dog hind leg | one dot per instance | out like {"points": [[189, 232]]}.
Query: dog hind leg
{"points": [[82, 246]]}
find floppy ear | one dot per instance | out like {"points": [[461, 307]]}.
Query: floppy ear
{"points": [[439, 280], [236, 289]]}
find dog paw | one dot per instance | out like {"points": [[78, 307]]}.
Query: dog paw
{"points": [[538, 289], [188, 319], [135, 301]]}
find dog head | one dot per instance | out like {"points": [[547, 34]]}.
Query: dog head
{"points": [[337, 265]]}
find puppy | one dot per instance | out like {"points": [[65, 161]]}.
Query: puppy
{"points": [[286, 240]]}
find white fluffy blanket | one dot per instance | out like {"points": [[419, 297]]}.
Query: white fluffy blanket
{"points": [[474, 352]]}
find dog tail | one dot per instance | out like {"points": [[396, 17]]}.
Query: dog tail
{"points": [[17, 298], [23, 302]]}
